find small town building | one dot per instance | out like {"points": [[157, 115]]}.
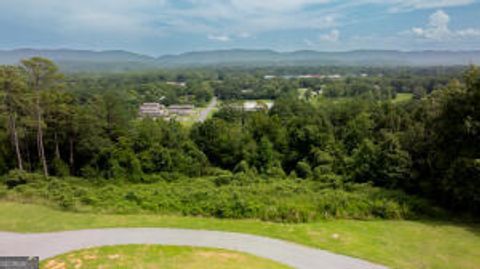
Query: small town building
{"points": [[153, 110], [181, 110], [250, 106], [178, 84]]}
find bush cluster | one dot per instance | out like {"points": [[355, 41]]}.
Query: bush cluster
{"points": [[225, 196]]}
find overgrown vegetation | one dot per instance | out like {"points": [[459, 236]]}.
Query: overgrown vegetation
{"points": [[228, 196]]}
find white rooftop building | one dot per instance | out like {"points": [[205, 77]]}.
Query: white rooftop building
{"points": [[256, 106], [153, 110]]}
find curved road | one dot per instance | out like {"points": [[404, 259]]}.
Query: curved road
{"points": [[206, 111], [46, 245]]}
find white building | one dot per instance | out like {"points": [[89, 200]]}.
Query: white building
{"points": [[181, 110], [256, 106], [178, 84], [153, 110]]}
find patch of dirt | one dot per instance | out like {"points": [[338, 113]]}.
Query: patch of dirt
{"points": [[335, 236], [219, 255], [54, 264], [78, 263], [114, 256], [89, 257]]}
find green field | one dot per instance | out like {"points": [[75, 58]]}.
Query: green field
{"points": [[402, 97], [153, 256], [301, 93], [398, 244]]}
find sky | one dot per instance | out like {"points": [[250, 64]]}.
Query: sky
{"points": [[159, 27]]}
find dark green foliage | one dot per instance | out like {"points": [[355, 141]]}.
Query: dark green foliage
{"points": [[17, 177], [60, 168], [303, 170], [151, 147], [427, 147], [279, 200]]}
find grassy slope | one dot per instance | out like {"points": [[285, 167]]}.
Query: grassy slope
{"points": [[398, 244], [150, 256]]}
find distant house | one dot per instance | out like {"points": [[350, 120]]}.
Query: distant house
{"points": [[335, 76], [175, 83], [250, 106], [310, 76], [153, 110], [181, 110]]}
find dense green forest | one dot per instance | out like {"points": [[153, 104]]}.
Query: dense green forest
{"points": [[353, 152]]}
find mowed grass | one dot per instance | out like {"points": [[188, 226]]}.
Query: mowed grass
{"points": [[400, 98], [403, 97], [154, 256], [397, 244]]}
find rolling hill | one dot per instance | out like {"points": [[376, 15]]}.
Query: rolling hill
{"points": [[118, 61]]}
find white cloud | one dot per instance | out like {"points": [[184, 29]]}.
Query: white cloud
{"points": [[309, 42], [235, 19], [420, 4], [244, 35], [333, 36], [253, 16], [324, 39], [438, 28], [275, 5], [407, 5], [106, 17], [127, 21], [469, 32], [221, 38]]}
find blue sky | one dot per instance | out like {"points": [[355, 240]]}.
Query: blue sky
{"points": [[158, 27]]}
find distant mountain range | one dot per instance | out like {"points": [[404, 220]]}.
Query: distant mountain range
{"points": [[117, 61]]}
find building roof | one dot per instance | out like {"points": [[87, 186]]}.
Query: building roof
{"points": [[181, 107]]}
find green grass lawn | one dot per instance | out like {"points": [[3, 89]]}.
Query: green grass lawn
{"points": [[301, 93], [398, 244], [154, 256], [402, 97]]}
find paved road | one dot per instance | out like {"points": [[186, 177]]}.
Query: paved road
{"points": [[47, 245], [206, 111]]}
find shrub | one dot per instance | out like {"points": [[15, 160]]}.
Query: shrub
{"points": [[17, 177], [60, 168], [223, 180], [275, 172], [303, 170], [237, 196], [215, 171]]}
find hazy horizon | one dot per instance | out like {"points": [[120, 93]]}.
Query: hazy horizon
{"points": [[53, 49]]}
